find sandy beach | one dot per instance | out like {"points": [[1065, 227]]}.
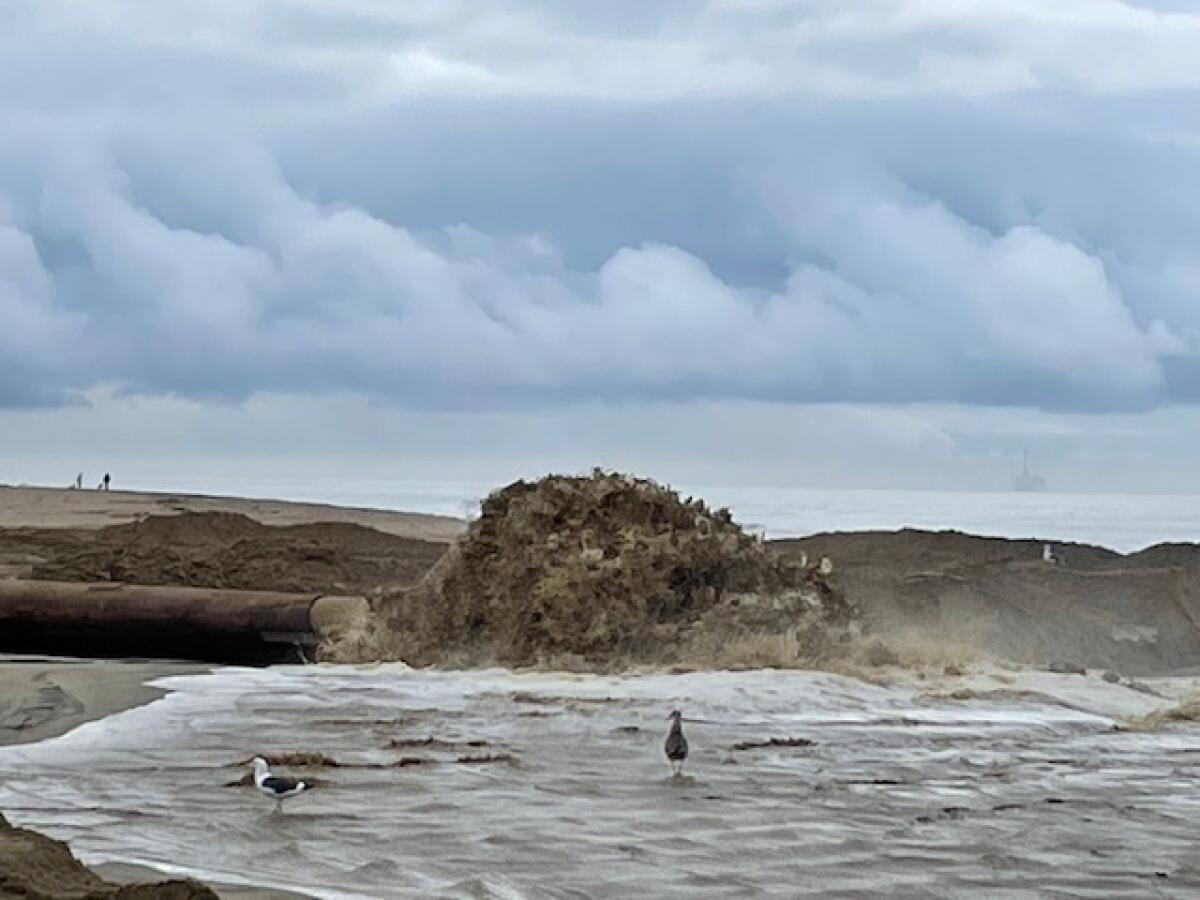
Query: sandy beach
{"points": [[41, 507], [935, 744]]}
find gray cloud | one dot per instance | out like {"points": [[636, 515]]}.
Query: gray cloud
{"points": [[904, 203]]}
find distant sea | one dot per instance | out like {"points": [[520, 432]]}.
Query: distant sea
{"points": [[1124, 522]]}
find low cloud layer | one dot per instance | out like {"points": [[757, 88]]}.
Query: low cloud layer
{"points": [[985, 204]]}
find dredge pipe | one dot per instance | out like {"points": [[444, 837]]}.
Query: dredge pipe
{"points": [[167, 610]]}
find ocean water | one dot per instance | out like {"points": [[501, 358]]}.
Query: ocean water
{"points": [[1123, 522], [1011, 786]]}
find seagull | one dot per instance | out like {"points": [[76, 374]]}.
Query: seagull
{"points": [[677, 746], [277, 787]]}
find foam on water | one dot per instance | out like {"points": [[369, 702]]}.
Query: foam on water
{"points": [[904, 791]]}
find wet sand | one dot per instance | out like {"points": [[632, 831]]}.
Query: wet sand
{"points": [[43, 697], [35, 507]]}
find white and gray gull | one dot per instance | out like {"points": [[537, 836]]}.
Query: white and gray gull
{"points": [[277, 787], [676, 746]]}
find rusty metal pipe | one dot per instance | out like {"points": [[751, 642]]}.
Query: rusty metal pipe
{"points": [[168, 610]]}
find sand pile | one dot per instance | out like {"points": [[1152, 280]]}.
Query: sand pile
{"points": [[946, 597], [34, 867], [228, 550], [607, 570], [599, 571]]}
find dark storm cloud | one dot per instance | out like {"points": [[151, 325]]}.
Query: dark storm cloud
{"points": [[455, 206]]}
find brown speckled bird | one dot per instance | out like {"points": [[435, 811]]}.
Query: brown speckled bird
{"points": [[676, 746]]}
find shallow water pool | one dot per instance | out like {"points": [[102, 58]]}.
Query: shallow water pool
{"points": [[556, 786]]}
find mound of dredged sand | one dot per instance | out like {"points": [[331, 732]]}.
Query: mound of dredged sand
{"points": [[607, 570], [229, 550], [946, 593], [598, 571]]}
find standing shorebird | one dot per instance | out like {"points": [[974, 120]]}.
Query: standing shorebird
{"points": [[277, 787], [676, 746]]}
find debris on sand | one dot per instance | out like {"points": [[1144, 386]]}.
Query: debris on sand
{"points": [[430, 743], [773, 743], [434, 743], [560, 704], [294, 760], [601, 571], [34, 867], [488, 758]]}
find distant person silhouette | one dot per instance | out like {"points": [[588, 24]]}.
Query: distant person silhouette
{"points": [[79, 482], [107, 480]]}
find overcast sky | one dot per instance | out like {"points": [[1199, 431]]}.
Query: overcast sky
{"points": [[755, 241]]}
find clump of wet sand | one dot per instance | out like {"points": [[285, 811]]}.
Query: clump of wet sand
{"points": [[604, 571]]}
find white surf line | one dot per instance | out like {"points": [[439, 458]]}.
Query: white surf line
{"points": [[218, 877]]}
